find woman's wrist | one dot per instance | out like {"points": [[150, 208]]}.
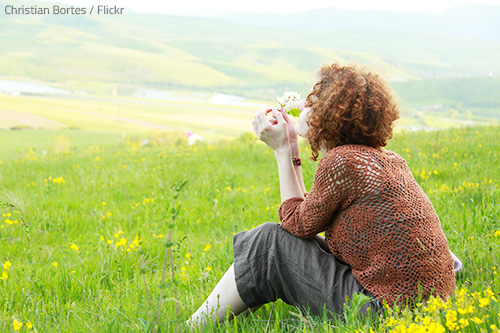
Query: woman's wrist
{"points": [[282, 152], [294, 149]]}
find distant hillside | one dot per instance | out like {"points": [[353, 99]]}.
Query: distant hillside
{"points": [[477, 92], [101, 54], [472, 21]]}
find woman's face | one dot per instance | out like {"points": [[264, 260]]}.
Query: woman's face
{"points": [[303, 126]]}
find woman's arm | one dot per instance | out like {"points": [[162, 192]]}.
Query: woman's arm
{"points": [[289, 184], [276, 136], [330, 190], [294, 149]]}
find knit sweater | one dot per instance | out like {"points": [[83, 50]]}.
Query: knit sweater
{"points": [[377, 220]]}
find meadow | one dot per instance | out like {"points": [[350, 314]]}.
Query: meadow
{"points": [[128, 238]]}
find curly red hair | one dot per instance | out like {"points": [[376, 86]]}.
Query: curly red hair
{"points": [[350, 105]]}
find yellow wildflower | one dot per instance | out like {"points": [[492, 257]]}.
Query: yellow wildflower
{"points": [[488, 293], [208, 269], [17, 325], [7, 265], [463, 322], [121, 242], [451, 318], [391, 322], [55, 264], [476, 320], [59, 180], [29, 325], [4, 276], [483, 302], [207, 247], [11, 222], [74, 247], [188, 255], [136, 242]]}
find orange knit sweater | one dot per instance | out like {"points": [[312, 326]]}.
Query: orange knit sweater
{"points": [[377, 220]]}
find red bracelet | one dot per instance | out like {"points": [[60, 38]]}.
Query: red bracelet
{"points": [[296, 161]]}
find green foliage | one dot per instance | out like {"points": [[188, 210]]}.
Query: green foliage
{"points": [[87, 235], [294, 112]]}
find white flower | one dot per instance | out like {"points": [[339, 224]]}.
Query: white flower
{"points": [[290, 102]]}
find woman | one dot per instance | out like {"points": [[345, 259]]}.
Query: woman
{"points": [[383, 237]]}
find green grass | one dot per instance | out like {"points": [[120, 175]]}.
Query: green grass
{"points": [[121, 190]]}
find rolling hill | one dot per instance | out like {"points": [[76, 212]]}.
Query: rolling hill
{"points": [[99, 55], [92, 52]]}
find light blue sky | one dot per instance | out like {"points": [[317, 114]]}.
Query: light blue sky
{"points": [[215, 7]]}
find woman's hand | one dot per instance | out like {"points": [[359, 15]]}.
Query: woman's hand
{"points": [[275, 134]]}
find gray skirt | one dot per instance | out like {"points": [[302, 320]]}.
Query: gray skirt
{"points": [[271, 263]]}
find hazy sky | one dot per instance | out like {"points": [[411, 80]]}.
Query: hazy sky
{"points": [[214, 7]]}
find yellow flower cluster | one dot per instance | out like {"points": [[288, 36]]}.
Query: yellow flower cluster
{"points": [[7, 220], [108, 214], [6, 266], [10, 222], [58, 180], [426, 174], [148, 200], [426, 324], [465, 186], [238, 189], [435, 315], [122, 242], [17, 325]]}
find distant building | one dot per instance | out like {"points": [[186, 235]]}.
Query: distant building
{"points": [[193, 138]]}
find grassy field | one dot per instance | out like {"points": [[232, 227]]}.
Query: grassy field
{"points": [[45, 122], [95, 121], [85, 245]]}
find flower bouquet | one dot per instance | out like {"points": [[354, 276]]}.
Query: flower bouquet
{"points": [[290, 102]]}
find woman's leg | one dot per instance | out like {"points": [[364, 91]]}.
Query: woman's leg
{"points": [[225, 295], [271, 263]]}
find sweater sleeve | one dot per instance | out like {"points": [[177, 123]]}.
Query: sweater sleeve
{"points": [[307, 217]]}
